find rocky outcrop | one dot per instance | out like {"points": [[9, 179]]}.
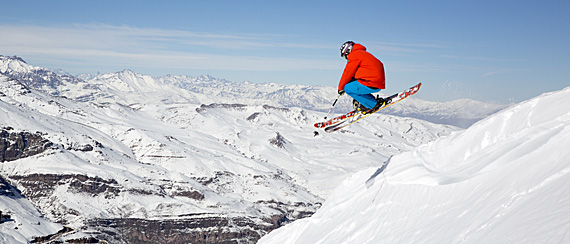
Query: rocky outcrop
{"points": [[195, 229], [6, 189], [42, 185], [192, 228], [205, 107], [16, 145], [278, 140]]}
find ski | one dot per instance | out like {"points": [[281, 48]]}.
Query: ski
{"points": [[337, 119], [354, 116]]}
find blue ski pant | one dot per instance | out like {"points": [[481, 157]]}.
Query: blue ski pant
{"points": [[361, 93]]}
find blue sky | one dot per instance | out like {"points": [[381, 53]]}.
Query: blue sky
{"points": [[498, 51]]}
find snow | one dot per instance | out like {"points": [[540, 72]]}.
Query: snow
{"points": [[25, 221], [503, 180], [20, 220], [161, 147]]}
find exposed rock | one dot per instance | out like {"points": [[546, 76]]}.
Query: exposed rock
{"points": [[276, 108], [17, 145], [6, 189], [278, 140], [204, 107], [42, 185], [187, 230], [253, 116], [196, 195], [48, 238]]}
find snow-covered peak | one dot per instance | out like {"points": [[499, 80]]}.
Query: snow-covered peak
{"points": [[14, 63], [36, 77], [129, 81], [503, 180]]}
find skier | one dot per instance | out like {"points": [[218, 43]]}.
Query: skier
{"points": [[362, 76]]}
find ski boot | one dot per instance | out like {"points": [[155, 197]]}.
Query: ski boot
{"points": [[356, 106], [380, 103]]}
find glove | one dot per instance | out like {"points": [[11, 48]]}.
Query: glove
{"points": [[341, 92]]}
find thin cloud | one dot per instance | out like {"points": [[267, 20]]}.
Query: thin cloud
{"points": [[102, 36], [99, 44]]}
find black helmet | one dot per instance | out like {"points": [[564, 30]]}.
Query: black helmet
{"points": [[346, 48]]}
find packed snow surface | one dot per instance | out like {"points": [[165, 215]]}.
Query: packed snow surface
{"points": [[503, 180]]}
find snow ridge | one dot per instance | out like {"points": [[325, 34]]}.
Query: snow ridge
{"points": [[503, 180]]}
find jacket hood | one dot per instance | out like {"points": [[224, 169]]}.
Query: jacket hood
{"points": [[358, 46]]}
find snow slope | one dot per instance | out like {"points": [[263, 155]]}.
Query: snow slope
{"points": [[25, 221], [503, 180]]}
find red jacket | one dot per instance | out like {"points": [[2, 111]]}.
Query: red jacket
{"points": [[364, 67]]}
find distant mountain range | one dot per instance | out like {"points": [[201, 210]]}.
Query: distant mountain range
{"points": [[207, 89]]}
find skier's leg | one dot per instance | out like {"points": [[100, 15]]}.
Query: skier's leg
{"points": [[361, 93]]}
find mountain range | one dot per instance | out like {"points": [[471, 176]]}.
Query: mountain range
{"points": [[128, 158], [128, 86]]}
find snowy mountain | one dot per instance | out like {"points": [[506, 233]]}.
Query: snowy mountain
{"points": [[137, 88], [503, 180], [35, 77], [127, 158]]}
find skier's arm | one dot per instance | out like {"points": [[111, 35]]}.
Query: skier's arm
{"points": [[348, 73]]}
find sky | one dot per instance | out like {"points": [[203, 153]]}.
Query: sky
{"points": [[494, 51]]}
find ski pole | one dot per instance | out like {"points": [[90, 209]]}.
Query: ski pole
{"points": [[332, 106]]}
